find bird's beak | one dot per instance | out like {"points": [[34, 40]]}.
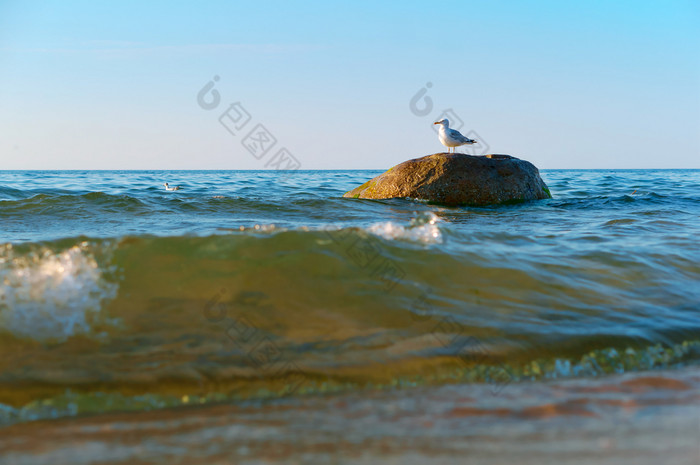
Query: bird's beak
{"points": [[437, 122]]}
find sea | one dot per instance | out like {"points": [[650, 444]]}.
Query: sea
{"points": [[259, 316]]}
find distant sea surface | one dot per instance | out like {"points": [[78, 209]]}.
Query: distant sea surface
{"points": [[242, 286]]}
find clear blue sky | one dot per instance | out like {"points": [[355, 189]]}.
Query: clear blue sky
{"points": [[113, 85]]}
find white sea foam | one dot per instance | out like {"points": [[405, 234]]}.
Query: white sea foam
{"points": [[46, 295], [423, 228]]}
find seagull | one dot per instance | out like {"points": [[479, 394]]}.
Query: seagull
{"points": [[452, 138], [168, 188]]}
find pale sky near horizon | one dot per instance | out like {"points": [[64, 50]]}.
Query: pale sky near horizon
{"points": [[113, 85]]}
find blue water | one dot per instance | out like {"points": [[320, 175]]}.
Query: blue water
{"points": [[42, 205], [111, 274]]}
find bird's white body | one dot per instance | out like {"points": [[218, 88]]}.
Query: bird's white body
{"points": [[451, 138], [168, 188]]}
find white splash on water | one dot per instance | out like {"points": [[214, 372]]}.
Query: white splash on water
{"points": [[45, 295], [423, 228]]}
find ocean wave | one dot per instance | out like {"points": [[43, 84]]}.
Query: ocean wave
{"points": [[55, 289], [57, 203], [47, 294], [423, 228], [340, 295], [597, 363]]}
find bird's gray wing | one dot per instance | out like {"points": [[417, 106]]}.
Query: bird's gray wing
{"points": [[458, 136]]}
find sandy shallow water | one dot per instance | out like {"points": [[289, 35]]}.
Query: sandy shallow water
{"points": [[642, 418]]}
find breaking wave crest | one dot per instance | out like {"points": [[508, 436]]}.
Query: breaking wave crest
{"points": [[51, 295]]}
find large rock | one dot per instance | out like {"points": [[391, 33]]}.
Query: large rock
{"points": [[458, 179]]}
